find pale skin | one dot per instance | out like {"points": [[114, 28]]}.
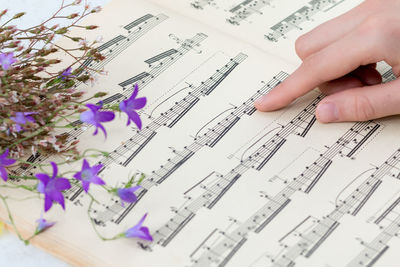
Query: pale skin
{"points": [[340, 57]]}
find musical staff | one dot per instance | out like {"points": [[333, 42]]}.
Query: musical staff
{"points": [[389, 75], [245, 9], [218, 183], [138, 22], [128, 86], [209, 138], [302, 15], [156, 58], [120, 43], [311, 240], [131, 147], [304, 182], [375, 249], [211, 193]]}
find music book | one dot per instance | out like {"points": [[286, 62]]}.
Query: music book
{"points": [[225, 184]]}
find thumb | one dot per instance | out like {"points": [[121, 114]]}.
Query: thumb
{"points": [[361, 104]]}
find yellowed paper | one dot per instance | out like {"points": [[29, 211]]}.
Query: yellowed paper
{"points": [[225, 184]]}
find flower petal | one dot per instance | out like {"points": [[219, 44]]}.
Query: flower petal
{"points": [[138, 103], [88, 117], [7, 162], [57, 197], [139, 231], [78, 176], [135, 188], [41, 187], [97, 180], [5, 154], [145, 234], [62, 184], [3, 173], [126, 195], [101, 128], [97, 129], [140, 223], [44, 178], [85, 165], [85, 185], [105, 116], [97, 168], [94, 108], [135, 92], [123, 105], [48, 203], [133, 116], [55, 169]]}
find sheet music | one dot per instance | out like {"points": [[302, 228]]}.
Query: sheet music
{"points": [[225, 184], [270, 25]]}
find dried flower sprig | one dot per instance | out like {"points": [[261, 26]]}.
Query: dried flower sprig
{"points": [[37, 97]]}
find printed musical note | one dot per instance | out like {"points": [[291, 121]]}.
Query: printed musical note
{"points": [[210, 138], [200, 4], [245, 9], [359, 133], [117, 45], [375, 249], [314, 237], [128, 87], [302, 15]]}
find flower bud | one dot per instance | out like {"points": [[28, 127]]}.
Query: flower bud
{"points": [[18, 15], [72, 16], [76, 39], [91, 27], [61, 31], [100, 94], [2, 13], [83, 78], [78, 94], [53, 61], [96, 9]]}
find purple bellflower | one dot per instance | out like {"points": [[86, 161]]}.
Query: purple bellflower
{"points": [[95, 117], [6, 60], [139, 231], [88, 175], [127, 195], [43, 225], [67, 74], [4, 162], [52, 187], [130, 105], [22, 118]]}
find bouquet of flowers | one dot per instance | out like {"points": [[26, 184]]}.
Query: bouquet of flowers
{"points": [[37, 99]]}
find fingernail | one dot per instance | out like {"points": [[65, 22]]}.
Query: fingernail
{"points": [[327, 112]]}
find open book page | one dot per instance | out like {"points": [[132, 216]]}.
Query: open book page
{"points": [[271, 25], [225, 185]]}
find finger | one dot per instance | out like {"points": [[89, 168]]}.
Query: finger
{"points": [[363, 75], [317, 39], [368, 75], [344, 83], [356, 49], [361, 104]]}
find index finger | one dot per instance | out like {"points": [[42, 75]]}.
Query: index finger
{"points": [[334, 61]]}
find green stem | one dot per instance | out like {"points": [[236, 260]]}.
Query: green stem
{"points": [[10, 217], [95, 229]]}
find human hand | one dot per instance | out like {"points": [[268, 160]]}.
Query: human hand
{"points": [[339, 56]]}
